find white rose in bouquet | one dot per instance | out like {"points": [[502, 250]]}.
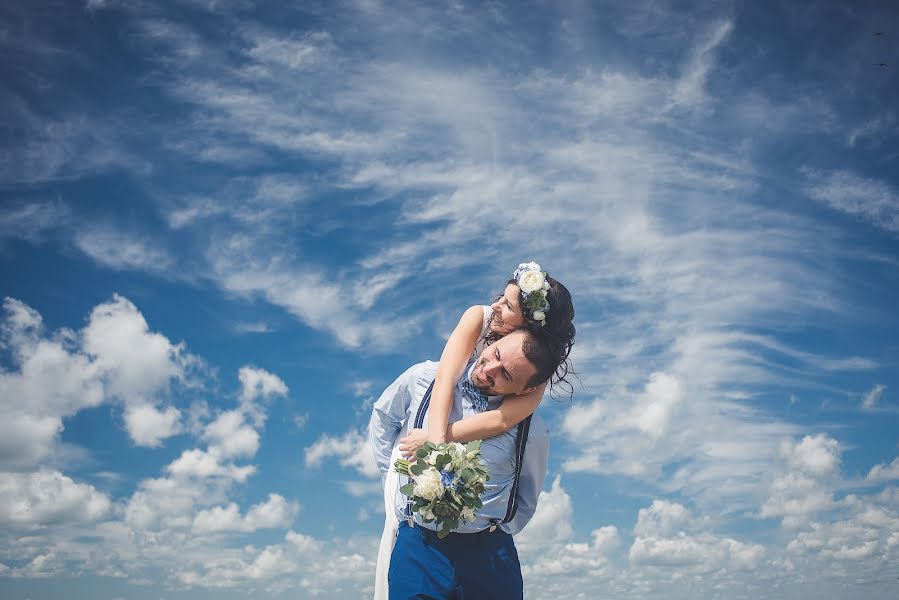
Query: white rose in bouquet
{"points": [[428, 485]]}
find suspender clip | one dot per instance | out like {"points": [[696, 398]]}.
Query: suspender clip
{"points": [[492, 527]]}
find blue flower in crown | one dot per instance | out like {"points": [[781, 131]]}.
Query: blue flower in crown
{"points": [[531, 280]]}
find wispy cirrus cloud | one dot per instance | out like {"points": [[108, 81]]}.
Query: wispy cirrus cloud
{"points": [[867, 198]]}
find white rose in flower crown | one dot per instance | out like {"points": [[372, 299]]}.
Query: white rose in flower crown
{"points": [[531, 281], [428, 486], [539, 315]]}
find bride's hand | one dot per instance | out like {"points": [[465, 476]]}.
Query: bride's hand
{"points": [[410, 444]]}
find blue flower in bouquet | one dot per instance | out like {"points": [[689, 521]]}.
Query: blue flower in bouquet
{"points": [[447, 478]]}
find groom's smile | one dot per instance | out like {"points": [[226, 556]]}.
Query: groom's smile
{"points": [[502, 368], [479, 379]]}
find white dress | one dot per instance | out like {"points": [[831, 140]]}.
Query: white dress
{"points": [[391, 489]]}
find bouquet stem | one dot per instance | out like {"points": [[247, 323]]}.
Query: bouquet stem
{"points": [[403, 467]]}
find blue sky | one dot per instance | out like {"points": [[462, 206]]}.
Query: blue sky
{"points": [[224, 229]]}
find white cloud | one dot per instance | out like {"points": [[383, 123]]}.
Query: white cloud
{"points": [[690, 88], [663, 518], [665, 537], [149, 426], [552, 521], [352, 450], [204, 464], [872, 396], [359, 489], [884, 472], [662, 395], [53, 380], [867, 532], [124, 251], [231, 436], [255, 327], [870, 199], [138, 362], [817, 455], [46, 498], [33, 221], [275, 512], [803, 486], [259, 384]]}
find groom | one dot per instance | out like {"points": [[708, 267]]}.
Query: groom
{"points": [[479, 560]]}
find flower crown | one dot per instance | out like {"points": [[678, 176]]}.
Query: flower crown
{"points": [[533, 284]]}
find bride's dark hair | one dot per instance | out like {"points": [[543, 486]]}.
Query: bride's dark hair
{"points": [[557, 333]]}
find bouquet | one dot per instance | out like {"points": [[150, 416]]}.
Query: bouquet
{"points": [[447, 482]]}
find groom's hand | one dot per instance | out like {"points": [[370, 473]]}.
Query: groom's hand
{"points": [[410, 444]]}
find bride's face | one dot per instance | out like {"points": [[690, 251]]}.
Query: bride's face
{"points": [[507, 315]]}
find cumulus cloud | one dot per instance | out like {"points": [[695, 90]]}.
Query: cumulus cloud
{"points": [[115, 358], [45, 498], [273, 513], [663, 519], [803, 486], [884, 472], [207, 463], [230, 436], [552, 521], [866, 530], [258, 385], [352, 450], [667, 535], [138, 362], [149, 426], [650, 412]]}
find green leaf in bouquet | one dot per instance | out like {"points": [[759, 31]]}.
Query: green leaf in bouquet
{"points": [[467, 474], [428, 446], [421, 454], [408, 489], [418, 468], [442, 461], [443, 531], [473, 446]]}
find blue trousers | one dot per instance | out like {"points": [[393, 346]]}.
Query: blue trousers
{"points": [[462, 566]]}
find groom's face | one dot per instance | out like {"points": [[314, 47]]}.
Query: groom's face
{"points": [[502, 368]]}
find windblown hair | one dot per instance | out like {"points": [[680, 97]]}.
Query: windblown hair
{"points": [[556, 335]]}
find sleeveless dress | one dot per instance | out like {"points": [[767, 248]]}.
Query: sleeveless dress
{"points": [[391, 489]]}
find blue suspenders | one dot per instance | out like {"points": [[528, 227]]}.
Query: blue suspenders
{"points": [[521, 439]]}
